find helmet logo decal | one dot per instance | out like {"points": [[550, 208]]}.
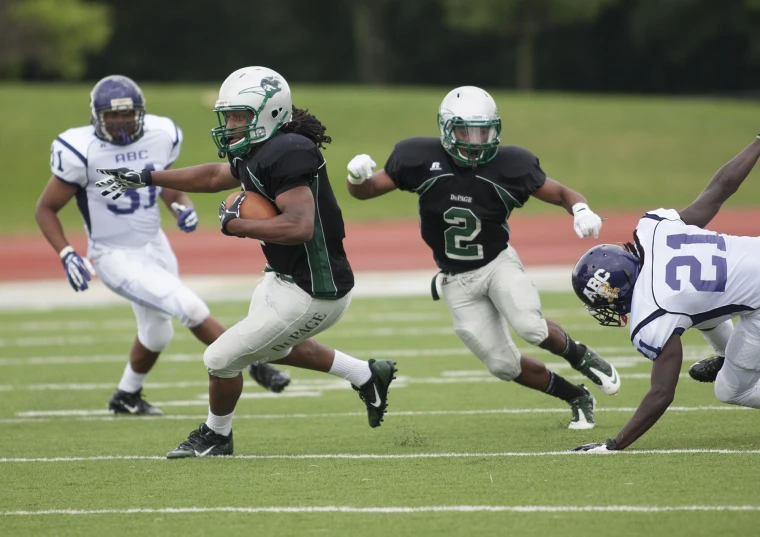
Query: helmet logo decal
{"points": [[268, 87], [598, 287]]}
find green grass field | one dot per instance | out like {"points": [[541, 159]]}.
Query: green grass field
{"points": [[621, 152], [454, 437]]}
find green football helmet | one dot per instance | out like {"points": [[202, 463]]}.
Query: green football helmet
{"points": [[470, 126], [264, 96]]}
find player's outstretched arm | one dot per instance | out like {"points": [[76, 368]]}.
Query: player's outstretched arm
{"points": [[202, 178], [724, 183], [665, 371], [585, 221], [363, 182]]}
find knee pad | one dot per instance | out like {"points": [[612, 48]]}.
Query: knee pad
{"points": [[531, 327], [190, 309], [156, 336]]}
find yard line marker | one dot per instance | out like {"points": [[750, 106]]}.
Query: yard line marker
{"points": [[405, 413], [363, 456], [397, 510]]}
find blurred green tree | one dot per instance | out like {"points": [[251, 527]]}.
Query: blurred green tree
{"points": [[522, 20], [54, 36]]}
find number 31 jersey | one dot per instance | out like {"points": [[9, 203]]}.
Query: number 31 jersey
{"points": [[133, 219], [464, 211], [690, 277]]}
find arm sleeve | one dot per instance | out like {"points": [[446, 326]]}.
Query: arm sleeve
{"points": [[405, 165], [68, 163]]}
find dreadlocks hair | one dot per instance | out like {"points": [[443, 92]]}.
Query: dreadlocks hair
{"points": [[636, 249], [307, 125]]}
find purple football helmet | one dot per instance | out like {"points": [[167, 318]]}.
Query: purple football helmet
{"points": [[603, 279], [119, 94]]}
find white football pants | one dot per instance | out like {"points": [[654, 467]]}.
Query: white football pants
{"points": [[280, 316], [485, 302]]}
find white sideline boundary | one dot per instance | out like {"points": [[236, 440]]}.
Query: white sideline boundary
{"points": [[362, 456], [398, 510], [55, 294]]}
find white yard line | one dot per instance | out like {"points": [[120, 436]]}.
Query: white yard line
{"points": [[644, 509], [355, 456], [447, 377], [405, 413]]}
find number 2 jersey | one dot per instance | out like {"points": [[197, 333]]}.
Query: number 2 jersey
{"points": [[134, 219], [690, 277], [286, 161], [464, 211]]}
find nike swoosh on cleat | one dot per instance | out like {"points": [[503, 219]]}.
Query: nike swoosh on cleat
{"points": [[132, 409], [203, 454], [613, 379], [377, 402]]}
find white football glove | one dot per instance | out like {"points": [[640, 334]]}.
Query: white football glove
{"points": [[585, 221], [608, 446], [360, 169]]}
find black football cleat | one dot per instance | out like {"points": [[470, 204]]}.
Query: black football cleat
{"points": [[203, 442], [131, 403], [268, 377], [374, 392], [707, 370]]}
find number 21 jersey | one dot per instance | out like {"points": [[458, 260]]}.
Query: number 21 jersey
{"points": [[690, 277]]}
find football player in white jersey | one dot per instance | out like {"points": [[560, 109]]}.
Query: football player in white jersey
{"points": [[131, 254], [674, 276]]}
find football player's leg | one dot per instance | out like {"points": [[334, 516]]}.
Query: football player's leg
{"points": [[484, 331], [706, 370], [738, 382], [371, 379], [517, 299], [154, 332]]}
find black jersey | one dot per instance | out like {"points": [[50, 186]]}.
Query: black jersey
{"points": [[319, 267], [464, 211]]}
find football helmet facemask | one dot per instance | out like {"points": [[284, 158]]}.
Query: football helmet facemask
{"points": [[470, 126], [263, 96], [603, 279], [122, 99]]}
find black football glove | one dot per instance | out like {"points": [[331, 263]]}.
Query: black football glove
{"points": [[121, 179], [230, 213]]}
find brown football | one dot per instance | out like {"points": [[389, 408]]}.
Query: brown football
{"points": [[254, 206]]}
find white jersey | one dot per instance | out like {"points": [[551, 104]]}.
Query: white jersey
{"points": [[134, 219], [690, 277]]}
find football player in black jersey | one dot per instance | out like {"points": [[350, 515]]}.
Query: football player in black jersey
{"points": [[273, 150], [467, 186]]}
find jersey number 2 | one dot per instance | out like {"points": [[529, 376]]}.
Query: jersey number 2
{"points": [[465, 226], [718, 285]]}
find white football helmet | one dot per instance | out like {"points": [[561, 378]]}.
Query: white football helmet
{"points": [[470, 125], [264, 95]]}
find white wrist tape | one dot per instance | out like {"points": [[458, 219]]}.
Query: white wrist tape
{"points": [[66, 251], [355, 180]]}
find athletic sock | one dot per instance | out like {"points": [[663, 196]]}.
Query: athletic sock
{"points": [[220, 424], [357, 372], [130, 381], [559, 387], [574, 352]]}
